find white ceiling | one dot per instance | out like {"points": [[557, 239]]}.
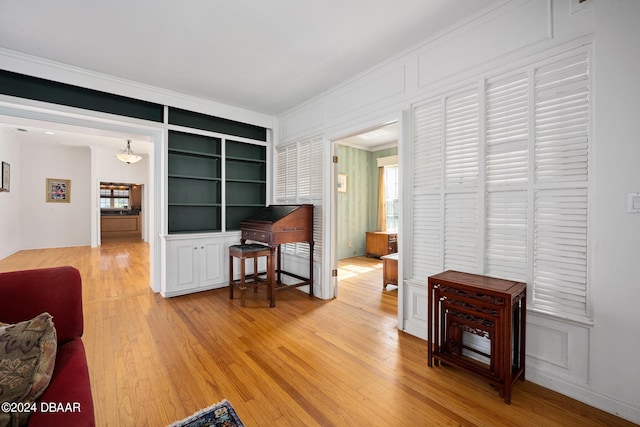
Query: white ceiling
{"points": [[265, 56], [375, 139]]}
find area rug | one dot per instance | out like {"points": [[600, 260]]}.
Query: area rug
{"points": [[221, 414]]}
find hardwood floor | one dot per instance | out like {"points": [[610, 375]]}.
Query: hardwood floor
{"points": [[306, 362]]}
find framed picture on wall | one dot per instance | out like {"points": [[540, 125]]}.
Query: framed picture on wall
{"points": [[6, 177], [342, 183], [58, 190]]}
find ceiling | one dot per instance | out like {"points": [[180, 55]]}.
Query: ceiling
{"points": [[264, 56]]}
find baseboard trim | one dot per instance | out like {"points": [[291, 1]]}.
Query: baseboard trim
{"points": [[582, 394]]}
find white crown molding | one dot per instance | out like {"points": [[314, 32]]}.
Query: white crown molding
{"points": [[46, 69]]}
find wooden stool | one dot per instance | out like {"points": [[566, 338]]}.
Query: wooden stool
{"points": [[244, 252]]}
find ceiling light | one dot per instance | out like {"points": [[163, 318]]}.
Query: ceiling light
{"points": [[48, 132], [127, 155]]}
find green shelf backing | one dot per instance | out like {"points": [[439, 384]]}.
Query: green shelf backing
{"points": [[243, 193], [246, 151], [246, 171], [193, 191], [193, 143], [203, 167], [192, 219]]}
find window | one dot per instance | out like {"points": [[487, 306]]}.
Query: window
{"points": [[500, 182], [391, 196], [114, 197]]}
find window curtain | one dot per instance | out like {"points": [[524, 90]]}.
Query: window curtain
{"points": [[382, 201]]}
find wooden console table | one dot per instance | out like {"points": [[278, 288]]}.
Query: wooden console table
{"points": [[380, 243], [495, 309]]}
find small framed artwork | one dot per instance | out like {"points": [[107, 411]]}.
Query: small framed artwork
{"points": [[342, 183], [58, 190], [6, 177]]}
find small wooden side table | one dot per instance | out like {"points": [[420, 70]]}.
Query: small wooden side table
{"points": [[462, 304], [389, 270]]}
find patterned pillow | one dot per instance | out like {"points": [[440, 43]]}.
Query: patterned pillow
{"points": [[27, 358]]}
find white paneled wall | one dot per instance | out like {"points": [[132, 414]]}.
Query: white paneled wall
{"points": [[514, 49]]}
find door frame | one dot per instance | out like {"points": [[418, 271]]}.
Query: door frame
{"points": [[39, 111], [400, 118]]}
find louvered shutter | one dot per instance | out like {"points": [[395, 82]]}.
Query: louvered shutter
{"points": [[292, 175], [560, 265], [317, 176], [427, 147], [426, 254], [529, 217], [304, 171], [562, 120], [506, 235], [561, 160], [461, 238], [286, 181], [281, 176], [461, 140], [506, 176], [507, 131], [461, 171], [299, 179]]}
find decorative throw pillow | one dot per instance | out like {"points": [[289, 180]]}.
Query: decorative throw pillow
{"points": [[27, 358]]}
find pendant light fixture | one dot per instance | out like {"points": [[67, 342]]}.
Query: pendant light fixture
{"points": [[127, 155]]}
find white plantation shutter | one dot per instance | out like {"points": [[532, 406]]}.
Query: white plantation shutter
{"points": [[560, 267], [461, 140], [507, 131], [304, 171], [316, 194], [292, 175], [461, 169], [299, 180], [506, 235], [561, 159], [461, 232], [426, 251], [506, 176], [562, 120], [281, 176], [522, 213], [310, 189], [427, 246], [445, 205], [427, 154]]}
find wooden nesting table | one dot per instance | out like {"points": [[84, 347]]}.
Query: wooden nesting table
{"points": [[462, 305]]}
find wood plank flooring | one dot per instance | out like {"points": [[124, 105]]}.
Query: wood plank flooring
{"points": [[306, 362]]}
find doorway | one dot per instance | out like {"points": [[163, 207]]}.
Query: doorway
{"points": [[366, 204], [104, 139], [121, 213]]}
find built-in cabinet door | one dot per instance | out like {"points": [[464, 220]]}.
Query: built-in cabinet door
{"points": [[182, 272], [210, 257], [194, 265]]}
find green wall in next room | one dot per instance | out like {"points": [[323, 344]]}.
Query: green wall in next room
{"points": [[357, 211]]}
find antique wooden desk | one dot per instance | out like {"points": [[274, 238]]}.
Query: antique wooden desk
{"points": [[275, 225], [462, 305]]}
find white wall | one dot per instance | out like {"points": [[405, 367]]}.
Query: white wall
{"points": [[615, 272], [27, 221], [110, 169], [10, 202], [592, 363], [50, 225]]}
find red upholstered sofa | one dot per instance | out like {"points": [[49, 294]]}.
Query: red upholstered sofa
{"points": [[26, 294]]}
